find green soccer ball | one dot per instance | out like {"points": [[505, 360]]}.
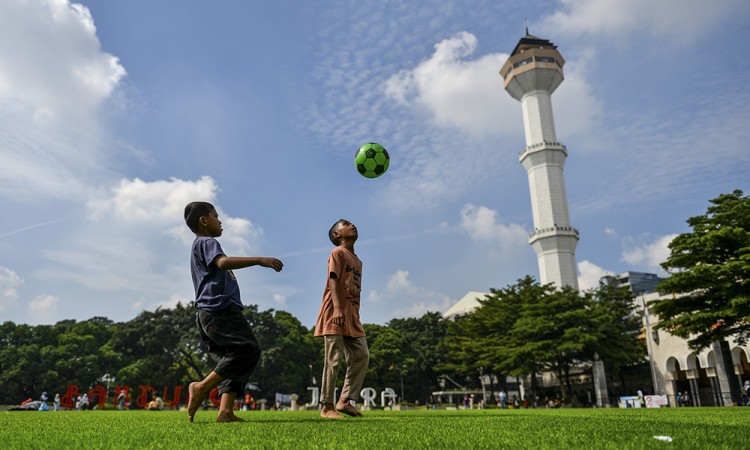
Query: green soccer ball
{"points": [[372, 160]]}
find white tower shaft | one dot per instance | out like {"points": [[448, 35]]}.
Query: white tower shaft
{"points": [[532, 73], [538, 121]]}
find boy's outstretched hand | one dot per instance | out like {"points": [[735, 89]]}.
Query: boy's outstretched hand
{"points": [[272, 263]]}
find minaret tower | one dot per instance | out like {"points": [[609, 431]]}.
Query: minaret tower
{"points": [[531, 74]]}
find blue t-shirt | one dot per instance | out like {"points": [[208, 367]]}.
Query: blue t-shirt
{"points": [[215, 289]]}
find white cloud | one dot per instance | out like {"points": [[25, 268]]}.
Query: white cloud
{"points": [[481, 223], [134, 245], [589, 275], [55, 64], [280, 300], [162, 203], [173, 301], [156, 201], [9, 281], [468, 95], [399, 281], [54, 80], [48, 160], [43, 306], [647, 254], [577, 109], [408, 299], [680, 20]]}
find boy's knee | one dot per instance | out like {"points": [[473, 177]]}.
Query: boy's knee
{"points": [[362, 357]]}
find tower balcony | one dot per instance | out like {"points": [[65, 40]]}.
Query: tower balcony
{"points": [[555, 230], [532, 69], [544, 145]]}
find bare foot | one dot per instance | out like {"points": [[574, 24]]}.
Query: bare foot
{"points": [[228, 416], [224, 417], [196, 397], [330, 414], [237, 419], [348, 409]]}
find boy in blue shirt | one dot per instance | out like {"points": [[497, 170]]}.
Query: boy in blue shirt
{"points": [[222, 326]]}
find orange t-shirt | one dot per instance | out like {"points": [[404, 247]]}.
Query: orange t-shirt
{"points": [[347, 268]]}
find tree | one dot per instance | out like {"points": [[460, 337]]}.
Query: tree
{"points": [[527, 328], [557, 330], [421, 353], [287, 353], [76, 358], [150, 349], [482, 339], [512, 356], [619, 346], [710, 276], [386, 358], [613, 314]]}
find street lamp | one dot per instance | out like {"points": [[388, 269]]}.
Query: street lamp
{"points": [[649, 338], [481, 381], [107, 378], [402, 382]]}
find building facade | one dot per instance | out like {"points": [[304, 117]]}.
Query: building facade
{"points": [[637, 282], [687, 377]]}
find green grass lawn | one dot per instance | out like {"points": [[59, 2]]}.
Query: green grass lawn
{"points": [[698, 428]]}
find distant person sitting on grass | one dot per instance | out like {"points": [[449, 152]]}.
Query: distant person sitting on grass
{"points": [[222, 326], [156, 404]]}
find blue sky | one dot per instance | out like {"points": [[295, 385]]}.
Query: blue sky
{"points": [[115, 114]]}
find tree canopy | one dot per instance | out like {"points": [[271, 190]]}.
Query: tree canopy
{"points": [[527, 328], [519, 330], [710, 280]]}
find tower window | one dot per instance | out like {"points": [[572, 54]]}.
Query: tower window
{"points": [[545, 59], [523, 62]]}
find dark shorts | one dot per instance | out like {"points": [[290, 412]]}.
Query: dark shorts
{"points": [[232, 344]]}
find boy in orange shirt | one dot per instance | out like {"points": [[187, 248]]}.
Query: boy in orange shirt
{"points": [[340, 326]]}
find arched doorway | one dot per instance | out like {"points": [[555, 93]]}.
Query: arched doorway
{"points": [[705, 384], [680, 382], [741, 363]]}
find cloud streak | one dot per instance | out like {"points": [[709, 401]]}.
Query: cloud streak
{"points": [[31, 227]]}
